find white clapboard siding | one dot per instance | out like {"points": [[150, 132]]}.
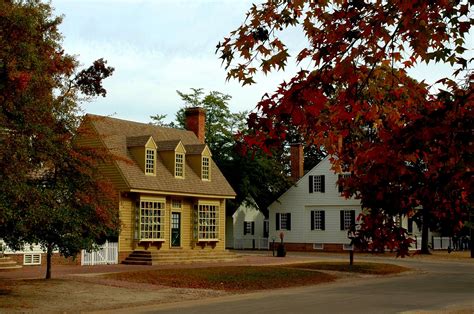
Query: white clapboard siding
{"points": [[299, 202], [250, 214]]}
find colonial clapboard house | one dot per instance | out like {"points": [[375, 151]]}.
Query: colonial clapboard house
{"points": [[172, 196], [247, 228], [313, 215]]}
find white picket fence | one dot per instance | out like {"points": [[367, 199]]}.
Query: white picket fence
{"points": [[106, 254], [436, 243], [256, 243]]}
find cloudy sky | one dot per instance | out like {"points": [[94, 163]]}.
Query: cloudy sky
{"points": [[160, 46]]}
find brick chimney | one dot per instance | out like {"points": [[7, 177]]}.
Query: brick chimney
{"points": [[196, 122], [296, 161]]}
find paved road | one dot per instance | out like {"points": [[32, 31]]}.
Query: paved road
{"points": [[433, 286]]}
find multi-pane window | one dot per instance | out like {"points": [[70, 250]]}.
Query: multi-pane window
{"points": [[317, 220], [150, 161], [152, 219], [347, 219], [208, 221], [283, 221], [249, 227], [179, 165], [316, 184], [176, 204], [206, 173]]}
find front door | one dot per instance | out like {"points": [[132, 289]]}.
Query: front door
{"points": [[175, 229]]}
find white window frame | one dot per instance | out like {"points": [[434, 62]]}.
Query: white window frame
{"points": [[347, 219], [285, 227], [32, 259], [318, 222], [151, 223], [207, 223], [317, 183], [179, 165], [176, 204], [206, 168], [248, 227], [150, 161], [318, 246]]}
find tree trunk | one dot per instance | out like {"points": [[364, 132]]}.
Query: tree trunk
{"points": [[49, 254], [425, 232]]}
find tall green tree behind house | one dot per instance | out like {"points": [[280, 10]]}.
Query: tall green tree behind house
{"points": [[52, 193], [257, 175]]}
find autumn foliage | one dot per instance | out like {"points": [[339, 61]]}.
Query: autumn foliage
{"points": [[407, 145], [52, 193]]}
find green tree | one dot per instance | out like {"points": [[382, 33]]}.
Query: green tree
{"points": [[52, 193], [259, 176]]}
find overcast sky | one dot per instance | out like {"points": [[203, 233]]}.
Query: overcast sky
{"points": [[160, 46]]}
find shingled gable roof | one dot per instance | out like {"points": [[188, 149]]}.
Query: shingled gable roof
{"points": [[137, 141], [195, 149], [167, 145], [115, 133]]}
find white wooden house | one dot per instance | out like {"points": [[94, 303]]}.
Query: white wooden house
{"points": [[312, 214], [249, 228]]}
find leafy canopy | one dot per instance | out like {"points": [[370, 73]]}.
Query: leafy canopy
{"points": [[357, 102], [52, 193]]}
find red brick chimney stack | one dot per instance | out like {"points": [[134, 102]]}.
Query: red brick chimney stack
{"points": [[296, 161], [196, 122]]}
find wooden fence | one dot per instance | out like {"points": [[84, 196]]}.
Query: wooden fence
{"points": [[106, 254]]}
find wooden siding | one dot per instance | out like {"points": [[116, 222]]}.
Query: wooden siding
{"points": [[250, 214], [299, 202], [127, 219], [127, 214], [138, 154], [168, 158], [195, 162]]}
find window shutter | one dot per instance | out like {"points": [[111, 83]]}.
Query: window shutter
{"points": [[342, 220], [245, 227], [323, 220], [253, 227], [323, 185], [311, 185], [312, 220], [340, 183], [353, 216], [277, 221], [288, 221]]}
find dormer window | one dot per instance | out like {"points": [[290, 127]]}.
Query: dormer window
{"points": [[179, 165], [206, 170], [150, 161], [143, 150]]}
